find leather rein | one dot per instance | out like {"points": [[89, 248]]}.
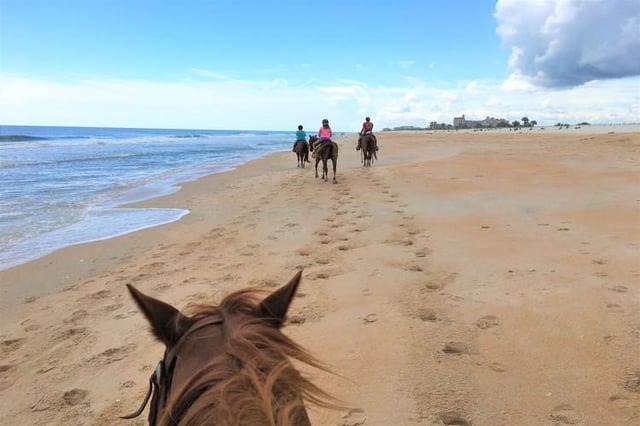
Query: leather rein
{"points": [[160, 380]]}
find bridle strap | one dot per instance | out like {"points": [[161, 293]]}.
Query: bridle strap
{"points": [[153, 387], [159, 377]]}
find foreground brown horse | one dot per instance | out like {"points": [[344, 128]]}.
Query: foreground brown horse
{"points": [[327, 150], [228, 364], [302, 152], [368, 147]]}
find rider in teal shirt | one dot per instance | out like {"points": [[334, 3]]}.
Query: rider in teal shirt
{"points": [[301, 135]]}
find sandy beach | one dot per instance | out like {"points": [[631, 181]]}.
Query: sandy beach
{"points": [[467, 278]]}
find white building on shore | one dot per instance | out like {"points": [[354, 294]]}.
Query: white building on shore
{"points": [[487, 122]]}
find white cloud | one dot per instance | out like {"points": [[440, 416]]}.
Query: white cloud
{"points": [[565, 43], [471, 86], [516, 82], [279, 105]]}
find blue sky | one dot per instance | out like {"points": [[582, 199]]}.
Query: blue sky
{"points": [[274, 64]]}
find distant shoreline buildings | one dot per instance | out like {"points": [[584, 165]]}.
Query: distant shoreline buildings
{"points": [[487, 122]]}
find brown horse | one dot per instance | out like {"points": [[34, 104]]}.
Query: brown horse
{"points": [[327, 150], [302, 152], [312, 142], [228, 364], [368, 147]]}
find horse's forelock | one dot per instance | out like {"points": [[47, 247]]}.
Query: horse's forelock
{"points": [[242, 381]]}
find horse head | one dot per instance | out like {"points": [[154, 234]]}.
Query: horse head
{"points": [[312, 140], [228, 364]]}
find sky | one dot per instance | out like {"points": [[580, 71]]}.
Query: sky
{"points": [[271, 65]]}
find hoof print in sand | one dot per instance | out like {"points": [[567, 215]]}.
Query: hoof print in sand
{"points": [[355, 417], [497, 367], [318, 276], [432, 286], [453, 418], [456, 348], [427, 314], [371, 318], [112, 354], [76, 316], [564, 414], [619, 289], [11, 345], [75, 396], [296, 319], [487, 321], [631, 381]]}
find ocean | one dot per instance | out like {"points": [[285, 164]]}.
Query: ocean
{"points": [[61, 186]]}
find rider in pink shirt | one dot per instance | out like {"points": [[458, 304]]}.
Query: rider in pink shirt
{"points": [[324, 134]]}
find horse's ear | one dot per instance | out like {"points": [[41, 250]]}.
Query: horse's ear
{"points": [[167, 323], [274, 307]]}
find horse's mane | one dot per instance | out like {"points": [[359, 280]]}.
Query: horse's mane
{"points": [[253, 381]]}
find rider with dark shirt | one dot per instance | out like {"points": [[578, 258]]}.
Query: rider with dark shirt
{"points": [[367, 128]]}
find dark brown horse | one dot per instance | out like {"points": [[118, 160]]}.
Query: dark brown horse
{"points": [[228, 364], [327, 150], [312, 142], [368, 147], [302, 152]]}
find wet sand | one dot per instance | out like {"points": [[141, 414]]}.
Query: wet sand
{"points": [[485, 278]]}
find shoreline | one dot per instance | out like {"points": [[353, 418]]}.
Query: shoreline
{"points": [[491, 277], [11, 295], [74, 181]]}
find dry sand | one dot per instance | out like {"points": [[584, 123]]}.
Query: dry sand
{"points": [[466, 278]]}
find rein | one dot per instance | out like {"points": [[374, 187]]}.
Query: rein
{"points": [[160, 380]]}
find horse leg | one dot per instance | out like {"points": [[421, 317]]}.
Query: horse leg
{"points": [[325, 169], [334, 160], [317, 161]]}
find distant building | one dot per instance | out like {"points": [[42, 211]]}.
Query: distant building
{"points": [[487, 122], [459, 121]]}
